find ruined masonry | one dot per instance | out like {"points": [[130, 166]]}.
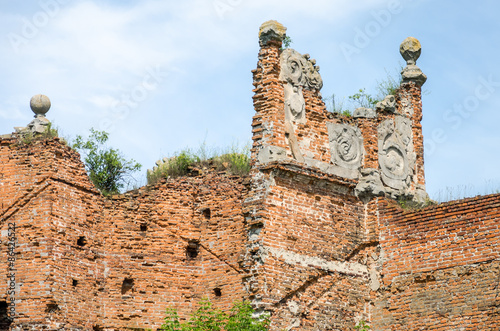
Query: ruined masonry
{"points": [[313, 235]]}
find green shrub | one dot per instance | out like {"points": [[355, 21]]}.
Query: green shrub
{"points": [[287, 41], [208, 318], [389, 85], [107, 168], [235, 163], [363, 99]]}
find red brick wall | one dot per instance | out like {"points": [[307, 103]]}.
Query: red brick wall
{"points": [[76, 248], [307, 227], [306, 271], [441, 266], [291, 237], [203, 210], [46, 198]]}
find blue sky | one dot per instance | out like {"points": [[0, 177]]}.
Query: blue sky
{"points": [[164, 75]]}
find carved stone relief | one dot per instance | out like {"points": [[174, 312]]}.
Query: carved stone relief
{"points": [[297, 73], [388, 104], [299, 70], [295, 105], [363, 112], [369, 184], [346, 145], [396, 155]]}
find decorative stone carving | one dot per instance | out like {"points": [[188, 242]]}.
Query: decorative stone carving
{"points": [[346, 145], [410, 50], [388, 104], [396, 155], [369, 184], [363, 112], [295, 105], [40, 105], [299, 70]]}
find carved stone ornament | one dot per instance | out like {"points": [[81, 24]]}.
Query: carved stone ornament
{"points": [[295, 105], [396, 155], [40, 105], [346, 145], [369, 184], [388, 104], [410, 50], [363, 112], [299, 70]]}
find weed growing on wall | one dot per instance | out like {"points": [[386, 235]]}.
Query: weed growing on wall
{"points": [[362, 326], [29, 137], [362, 98], [287, 41], [388, 85], [409, 204]]}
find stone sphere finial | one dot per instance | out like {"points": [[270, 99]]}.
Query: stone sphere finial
{"points": [[40, 104], [271, 30], [410, 50]]}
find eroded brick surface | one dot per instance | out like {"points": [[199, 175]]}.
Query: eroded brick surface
{"points": [[84, 261], [295, 236], [440, 266]]}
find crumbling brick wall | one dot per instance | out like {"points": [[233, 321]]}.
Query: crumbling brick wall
{"points": [[48, 201], [311, 235], [314, 232], [303, 254], [440, 266], [170, 246], [84, 261]]}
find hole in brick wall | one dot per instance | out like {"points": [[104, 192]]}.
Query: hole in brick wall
{"points": [[206, 213], [81, 241], [127, 285], [51, 307], [144, 227], [217, 292], [75, 282], [97, 328], [192, 249], [5, 321]]}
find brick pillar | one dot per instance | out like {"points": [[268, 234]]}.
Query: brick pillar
{"points": [[410, 102], [268, 97]]}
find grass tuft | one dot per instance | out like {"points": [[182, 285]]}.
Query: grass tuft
{"points": [[235, 160], [28, 137]]}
